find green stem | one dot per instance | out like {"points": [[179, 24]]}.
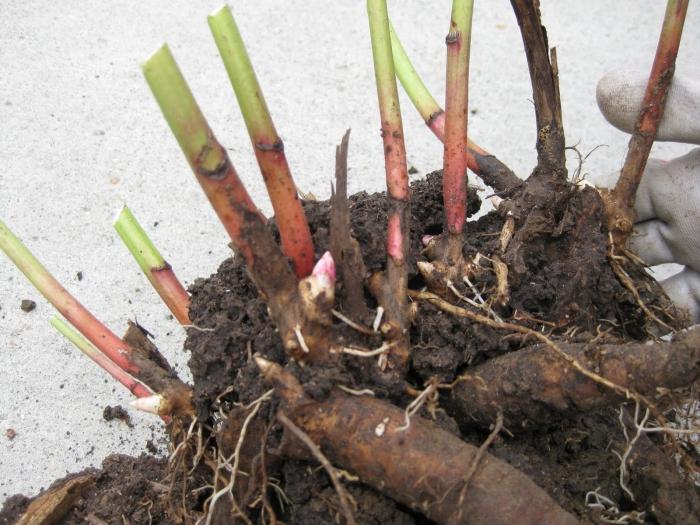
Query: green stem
{"points": [[454, 181], [414, 86], [86, 323], [153, 265], [389, 108], [269, 148], [484, 164], [134, 386], [208, 159], [394, 295]]}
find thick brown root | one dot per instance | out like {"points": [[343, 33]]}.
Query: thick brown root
{"points": [[422, 466], [533, 386]]}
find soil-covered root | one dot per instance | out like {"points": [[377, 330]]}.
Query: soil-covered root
{"points": [[655, 481], [125, 490], [421, 466], [534, 386]]}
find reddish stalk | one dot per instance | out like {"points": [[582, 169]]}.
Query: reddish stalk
{"points": [[394, 294], [648, 121], [269, 148], [173, 293], [158, 271], [146, 365], [207, 158], [69, 307], [454, 179], [491, 170], [135, 387], [303, 331]]}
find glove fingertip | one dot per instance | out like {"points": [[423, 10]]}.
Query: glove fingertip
{"points": [[618, 100]]}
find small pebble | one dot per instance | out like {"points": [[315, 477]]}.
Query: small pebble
{"points": [[10, 433], [117, 412], [27, 305]]}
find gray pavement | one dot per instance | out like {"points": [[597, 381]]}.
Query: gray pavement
{"points": [[81, 135]]}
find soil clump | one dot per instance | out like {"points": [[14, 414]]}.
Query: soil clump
{"points": [[563, 285]]}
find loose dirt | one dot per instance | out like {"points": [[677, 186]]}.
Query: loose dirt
{"points": [[562, 284]]}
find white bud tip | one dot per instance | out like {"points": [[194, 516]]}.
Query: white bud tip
{"points": [[155, 404], [325, 268], [263, 364], [425, 268], [495, 201]]}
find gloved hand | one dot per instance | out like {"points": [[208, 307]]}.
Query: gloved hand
{"points": [[668, 200]]}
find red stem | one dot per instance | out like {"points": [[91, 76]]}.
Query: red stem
{"points": [[173, 293], [95, 331], [437, 126], [135, 387], [652, 107], [484, 164], [289, 213], [454, 179], [230, 201]]}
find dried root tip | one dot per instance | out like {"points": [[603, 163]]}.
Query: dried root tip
{"points": [[156, 404], [425, 268], [507, 232], [412, 312], [502, 290], [378, 319], [287, 387]]}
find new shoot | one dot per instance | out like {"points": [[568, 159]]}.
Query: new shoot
{"points": [[154, 266], [454, 179], [82, 344], [76, 314], [394, 296], [208, 159], [268, 146]]}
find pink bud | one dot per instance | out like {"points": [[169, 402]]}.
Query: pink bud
{"points": [[325, 269], [426, 239]]}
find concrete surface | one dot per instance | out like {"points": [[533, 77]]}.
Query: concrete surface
{"points": [[81, 135]]}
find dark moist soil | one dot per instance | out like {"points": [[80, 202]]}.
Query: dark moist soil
{"points": [[562, 281], [124, 490]]}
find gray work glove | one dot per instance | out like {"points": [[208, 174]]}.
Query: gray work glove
{"points": [[668, 200]]}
